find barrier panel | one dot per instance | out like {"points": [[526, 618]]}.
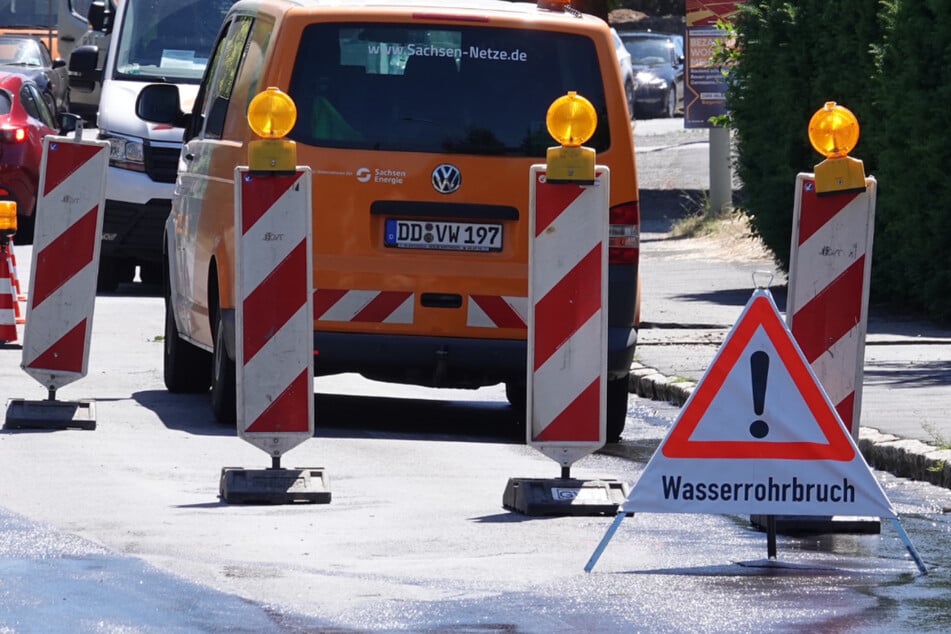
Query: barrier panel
{"points": [[567, 343], [62, 290], [827, 303], [274, 334]]}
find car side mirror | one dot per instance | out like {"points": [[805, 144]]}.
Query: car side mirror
{"points": [[84, 59], [59, 62], [161, 103], [83, 67]]}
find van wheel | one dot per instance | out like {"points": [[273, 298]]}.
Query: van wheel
{"points": [[107, 280], [616, 414], [112, 272], [150, 273], [187, 368], [516, 393], [224, 398]]}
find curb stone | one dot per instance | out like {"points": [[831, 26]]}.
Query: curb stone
{"points": [[901, 457]]}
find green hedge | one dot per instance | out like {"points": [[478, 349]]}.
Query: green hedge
{"points": [[890, 63]]}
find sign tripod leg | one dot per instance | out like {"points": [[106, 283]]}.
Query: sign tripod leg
{"points": [[596, 555], [771, 536], [908, 545]]}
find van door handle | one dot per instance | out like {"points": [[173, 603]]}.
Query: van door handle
{"points": [[441, 300]]}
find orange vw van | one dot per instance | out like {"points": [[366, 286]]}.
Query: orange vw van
{"points": [[420, 123]]}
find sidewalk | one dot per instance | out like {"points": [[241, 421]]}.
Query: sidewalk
{"points": [[907, 386]]}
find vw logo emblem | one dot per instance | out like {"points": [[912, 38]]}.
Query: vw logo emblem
{"points": [[446, 178]]}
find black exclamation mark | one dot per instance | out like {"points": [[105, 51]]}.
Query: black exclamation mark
{"points": [[759, 369]]}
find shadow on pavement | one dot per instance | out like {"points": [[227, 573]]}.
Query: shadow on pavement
{"points": [[359, 416]]}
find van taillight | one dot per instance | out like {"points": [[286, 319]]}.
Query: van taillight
{"points": [[624, 234]]}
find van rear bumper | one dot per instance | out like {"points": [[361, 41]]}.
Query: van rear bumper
{"points": [[444, 361]]}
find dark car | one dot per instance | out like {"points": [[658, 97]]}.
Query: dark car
{"points": [[658, 72], [24, 120], [29, 56]]}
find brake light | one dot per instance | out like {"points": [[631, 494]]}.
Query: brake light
{"points": [[624, 233], [12, 135]]}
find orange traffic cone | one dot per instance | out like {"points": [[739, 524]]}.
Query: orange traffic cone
{"points": [[11, 254], [15, 284], [8, 324]]}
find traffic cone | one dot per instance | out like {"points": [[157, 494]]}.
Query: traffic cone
{"points": [[8, 324], [11, 254], [15, 284]]}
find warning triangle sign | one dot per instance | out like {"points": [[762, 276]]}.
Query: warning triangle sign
{"points": [[757, 375], [759, 435]]}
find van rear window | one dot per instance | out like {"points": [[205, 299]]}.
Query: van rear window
{"points": [[435, 88]]}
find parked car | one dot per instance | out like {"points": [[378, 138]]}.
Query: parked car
{"points": [[658, 73], [627, 70], [29, 56], [421, 123], [25, 119]]}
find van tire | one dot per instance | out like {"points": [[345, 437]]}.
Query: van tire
{"points": [[150, 273], [112, 272], [618, 393], [516, 393], [224, 398], [187, 368]]}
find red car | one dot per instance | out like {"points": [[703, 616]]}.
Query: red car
{"points": [[24, 120]]}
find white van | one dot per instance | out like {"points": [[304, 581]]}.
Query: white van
{"points": [[166, 41]]}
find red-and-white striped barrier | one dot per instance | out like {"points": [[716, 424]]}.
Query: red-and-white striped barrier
{"points": [[496, 311], [11, 254], [8, 301], [365, 306], [827, 300], [65, 260], [567, 320], [275, 309]]}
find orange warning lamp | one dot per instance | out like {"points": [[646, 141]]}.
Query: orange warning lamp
{"points": [[272, 115], [834, 132], [571, 121], [8, 218]]}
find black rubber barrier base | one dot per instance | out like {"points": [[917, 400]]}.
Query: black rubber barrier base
{"points": [[273, 486], [563, 496], [50, 414], [797, 525]]}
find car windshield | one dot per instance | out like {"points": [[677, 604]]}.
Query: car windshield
{"points": [[465, 90], [20, 52], [168, 40], [648, 51]]}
